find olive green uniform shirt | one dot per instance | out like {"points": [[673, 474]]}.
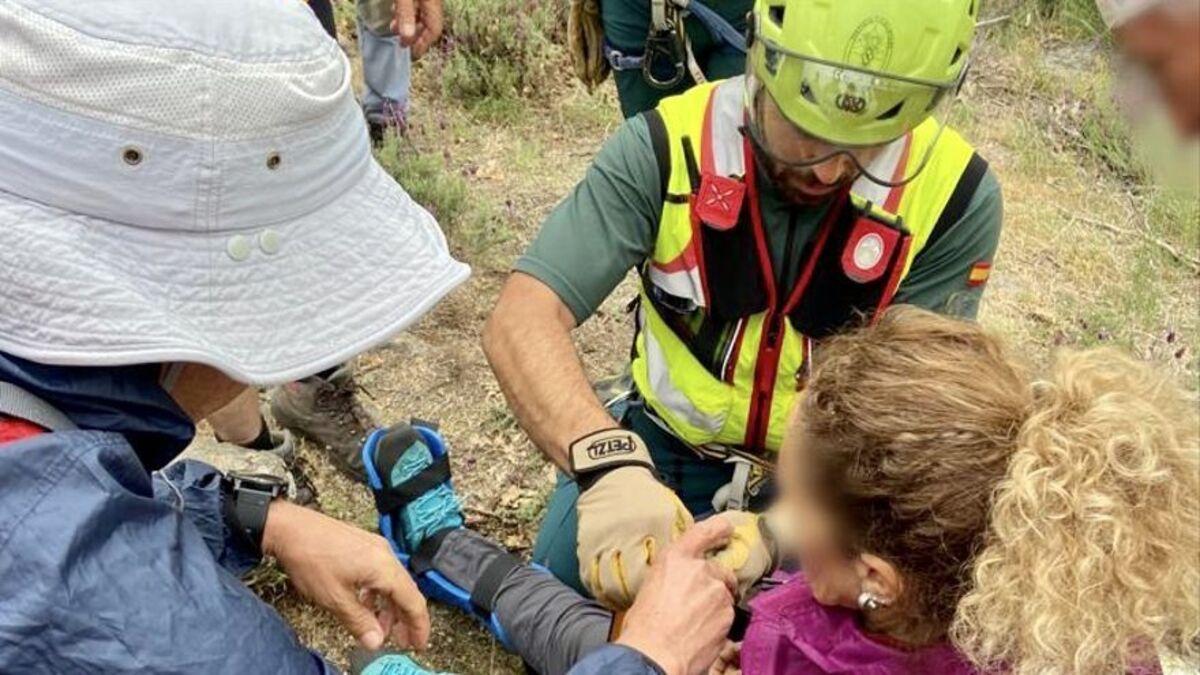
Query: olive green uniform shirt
{"points": [[609, 224]]}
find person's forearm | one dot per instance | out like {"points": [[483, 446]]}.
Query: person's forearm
{"points": [[527, 340]]}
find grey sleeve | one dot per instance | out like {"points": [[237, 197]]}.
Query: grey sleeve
{"points": [[549, 625], [940, 276]]}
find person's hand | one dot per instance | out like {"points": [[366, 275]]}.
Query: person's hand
{"points": [[350, 572], [730, 660], [418, 24], [626, 516], [751, 553], [685, 608]]}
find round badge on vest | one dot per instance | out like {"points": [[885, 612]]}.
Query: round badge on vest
{"points": [[868, 250]]}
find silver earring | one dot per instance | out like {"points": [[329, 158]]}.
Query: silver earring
{"points": [[868, 602]]}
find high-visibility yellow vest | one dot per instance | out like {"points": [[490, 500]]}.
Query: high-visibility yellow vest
{"points": [[720, 352]]}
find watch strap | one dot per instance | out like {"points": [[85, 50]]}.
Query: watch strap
{"points": [[246, 506], [250, 507]]}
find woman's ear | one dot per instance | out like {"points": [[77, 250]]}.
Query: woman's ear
{"points": [[879, 577]]}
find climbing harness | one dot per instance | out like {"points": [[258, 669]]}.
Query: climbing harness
{"points": [[667, 57]]}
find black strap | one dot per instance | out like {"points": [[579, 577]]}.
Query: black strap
{"points": [[960, 199], [483, 596], [693, 167], [422, 559], [662, 148], [390, 499], [741, 621]]}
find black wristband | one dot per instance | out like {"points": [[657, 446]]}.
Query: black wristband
{"points": [[247, 500]]}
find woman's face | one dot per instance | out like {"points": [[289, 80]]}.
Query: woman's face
{"points": [[828, 567]]}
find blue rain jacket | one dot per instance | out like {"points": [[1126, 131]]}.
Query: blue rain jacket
{"points": [[106, 568], [616, 660]]}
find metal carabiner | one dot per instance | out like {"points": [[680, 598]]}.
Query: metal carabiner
{"points": [[666, 44], [735, 495]]}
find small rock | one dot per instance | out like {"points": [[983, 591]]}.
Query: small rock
{"points": [[227, 457]]}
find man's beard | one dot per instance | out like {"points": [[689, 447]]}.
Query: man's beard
{"points": [[799, 186], [803, 188]]}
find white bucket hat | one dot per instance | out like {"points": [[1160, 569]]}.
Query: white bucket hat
{"points": [[192, 181]]}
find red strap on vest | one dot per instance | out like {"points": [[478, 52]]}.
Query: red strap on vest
{"points": [[13, 429]]}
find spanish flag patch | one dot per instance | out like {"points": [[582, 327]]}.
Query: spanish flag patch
{"points": [[980, 272]]}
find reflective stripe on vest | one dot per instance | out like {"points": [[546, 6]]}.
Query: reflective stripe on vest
{"points": [[732, 382]]}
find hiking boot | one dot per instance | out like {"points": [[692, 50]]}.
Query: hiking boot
{"points": [[363, 662], [382, 124], [327, 412]]}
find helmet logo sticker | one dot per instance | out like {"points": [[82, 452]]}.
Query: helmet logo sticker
{"points": [[871, 45], [851, 103]]}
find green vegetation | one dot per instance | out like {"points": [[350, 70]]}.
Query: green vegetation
{"points": [[473, 225], [499, 50], [1074, 19], [425, 178]]}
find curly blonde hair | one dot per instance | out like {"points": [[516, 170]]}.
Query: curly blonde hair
{"points": [[1043, 525]]}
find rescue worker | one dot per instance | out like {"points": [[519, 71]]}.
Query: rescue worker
{"points": [[182, 184], [656, 48], [762, 213]]}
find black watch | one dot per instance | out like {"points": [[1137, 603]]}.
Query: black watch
{"points": [[247, 498]]}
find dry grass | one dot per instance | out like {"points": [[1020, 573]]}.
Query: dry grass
{"points": [[1065, 276]]}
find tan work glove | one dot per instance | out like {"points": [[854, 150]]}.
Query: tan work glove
{"points": [[752, 552], [626, 516], [585, 42]]}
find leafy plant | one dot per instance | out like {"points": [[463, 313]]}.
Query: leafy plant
{"points": [[502, 49]]}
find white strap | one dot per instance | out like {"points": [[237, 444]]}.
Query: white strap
{"points": [[693, 66], [16, 402]]}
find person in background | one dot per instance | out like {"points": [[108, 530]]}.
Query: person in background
{"points": [[951, 512], [1163, 38], [391, 34], [656, 48], [159, 252]]}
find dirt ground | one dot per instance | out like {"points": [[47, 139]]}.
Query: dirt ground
{"points": [[1078, 266]]}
